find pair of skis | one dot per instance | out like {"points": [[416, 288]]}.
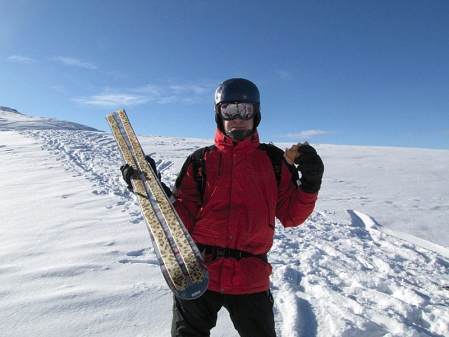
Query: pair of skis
{"points": [[180, 260]]}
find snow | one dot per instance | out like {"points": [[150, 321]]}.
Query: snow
{"points": [[76, 258]]}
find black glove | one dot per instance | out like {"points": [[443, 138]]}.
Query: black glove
{"points": [[311, 167], [128, 172]]}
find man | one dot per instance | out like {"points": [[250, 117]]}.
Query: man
{"points": [[232, 216]]}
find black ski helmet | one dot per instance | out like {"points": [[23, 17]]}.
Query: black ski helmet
{"points": [[237, 90]]}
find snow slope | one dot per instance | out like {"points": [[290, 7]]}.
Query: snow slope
{"points": [[76, 258]]}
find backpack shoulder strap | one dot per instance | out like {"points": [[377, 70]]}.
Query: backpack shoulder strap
{"points": [[199, 167], [276, 155]]}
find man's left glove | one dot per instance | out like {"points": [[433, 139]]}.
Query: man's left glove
{"points": [[128, 172], [309, 164]]}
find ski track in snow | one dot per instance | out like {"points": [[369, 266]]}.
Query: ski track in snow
{"points": [[329, 279]]}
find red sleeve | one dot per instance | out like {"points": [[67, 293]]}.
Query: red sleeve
{"points": [[187, 197], [294, 206]]}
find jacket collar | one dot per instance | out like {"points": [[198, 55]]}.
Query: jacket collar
{"points": [[227, 144]]}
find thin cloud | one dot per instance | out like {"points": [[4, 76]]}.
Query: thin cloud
{"points": [[112, 100], [307, 134], [185, 94], [285, 75], [69, 61], [188, 93], [21, 59], [59, 88], [194, 89], [168, 100], [148, 90]]}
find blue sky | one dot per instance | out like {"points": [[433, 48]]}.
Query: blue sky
{"points": [[330, 72]]}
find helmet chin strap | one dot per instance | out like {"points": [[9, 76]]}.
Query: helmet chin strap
{"points": [[239, 134]]}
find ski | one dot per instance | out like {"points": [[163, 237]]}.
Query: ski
{"points": [[180, 260]]}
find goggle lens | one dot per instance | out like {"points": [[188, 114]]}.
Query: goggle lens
{"points": [[230, 111]]}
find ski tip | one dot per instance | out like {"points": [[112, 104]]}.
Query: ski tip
{"points": [[115, 113]]}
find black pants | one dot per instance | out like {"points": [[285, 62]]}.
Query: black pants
{"points": [[252, 314]]}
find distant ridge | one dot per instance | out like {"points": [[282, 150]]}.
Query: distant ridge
{"points": [[11, 119], [5, 108]]}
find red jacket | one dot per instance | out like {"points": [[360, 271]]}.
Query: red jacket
{"points": [[240, 203]]}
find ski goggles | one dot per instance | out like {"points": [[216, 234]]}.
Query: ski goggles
{"points": [[229, 111]]}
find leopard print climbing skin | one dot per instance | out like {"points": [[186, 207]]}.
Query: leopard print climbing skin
{"points": [[174, 270], [187, 254]]}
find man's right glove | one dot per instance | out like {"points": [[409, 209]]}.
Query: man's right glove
{"points": [[128, 172], [309, 164]]}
